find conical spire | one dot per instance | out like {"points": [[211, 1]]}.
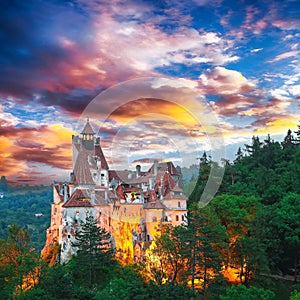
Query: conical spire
{"points": [[88, 128]]}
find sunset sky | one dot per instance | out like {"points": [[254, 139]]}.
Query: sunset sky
{"points": [[158, 80]]}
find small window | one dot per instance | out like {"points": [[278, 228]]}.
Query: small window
{"points": [[177, 218], [154, 219], [182, 218], [69, 236], [179, 205]]}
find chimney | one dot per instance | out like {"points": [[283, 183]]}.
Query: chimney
{"points": [[93, 197], [65, 192], [129, 176], [155, 166], [161, 188], [138, 171]]}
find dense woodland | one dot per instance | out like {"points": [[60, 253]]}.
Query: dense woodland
{"points": [[244, 245]]}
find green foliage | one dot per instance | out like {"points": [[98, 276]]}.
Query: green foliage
{"points": [[19, 206], [120, 288], [279, 230], [204, 240], [169, 291], [242, 292], [295, 296], [56, 282], [169, 253], [18, 264], [93, 261], [252, 224], [3, 184]]}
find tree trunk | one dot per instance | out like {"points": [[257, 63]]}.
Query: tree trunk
{"points": [[296, 268]]}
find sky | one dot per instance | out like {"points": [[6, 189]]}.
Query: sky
{"points": [[158, 79]]}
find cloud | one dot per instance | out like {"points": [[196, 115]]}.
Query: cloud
{"points": [[67, 57], [233, 91], [287, 24], [223, 81], [278, 125], [275, 106], [21, 147], [284, 56]]}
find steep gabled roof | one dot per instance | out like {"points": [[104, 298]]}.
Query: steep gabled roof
{"points": [[124, 176], [165, 166], [99, 154], [141, 179], [100, 198], [80, 198], [87, 128], [150, 196], [165, 183], [154, 205], [82, 169]]}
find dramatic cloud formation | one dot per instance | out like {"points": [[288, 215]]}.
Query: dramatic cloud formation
{"points": [[241, 59]]}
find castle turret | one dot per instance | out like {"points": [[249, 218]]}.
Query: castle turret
{"points": [[87, 135]]}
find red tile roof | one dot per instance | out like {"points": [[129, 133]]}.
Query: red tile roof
{"points": [[99, 154], [80, 198], [154, 205], [165, 166], [168, 186], [100, 198], [82, 169], [150, 196], [125, 176]]}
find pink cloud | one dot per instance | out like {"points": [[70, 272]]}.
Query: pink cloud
{"points": [[285, 55]]}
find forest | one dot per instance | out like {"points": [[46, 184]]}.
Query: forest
{"points": [[244, 245]]}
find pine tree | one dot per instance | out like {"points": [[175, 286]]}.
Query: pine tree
{"points": [[204, 171], [254, 149], [204, 240], [3, 184], [94, 258], [297, 140], [239, 155]]}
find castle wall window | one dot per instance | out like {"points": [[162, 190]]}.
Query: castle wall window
{"points": [[182, 218], [179, 205], [177, 218]]}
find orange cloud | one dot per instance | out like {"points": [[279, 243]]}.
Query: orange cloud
{"points": [[278, 126], [22, 147]]}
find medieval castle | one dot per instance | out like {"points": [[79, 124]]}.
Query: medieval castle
{"points": [[131, 205]]}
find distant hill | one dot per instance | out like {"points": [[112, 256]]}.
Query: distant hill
{"points": [[28, 207], [189, 173]]}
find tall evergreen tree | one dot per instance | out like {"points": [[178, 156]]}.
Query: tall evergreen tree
{"points": [[204, 171], [297, 139], [239, 155], [205, 239], [3, 184], [93, 261]]}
